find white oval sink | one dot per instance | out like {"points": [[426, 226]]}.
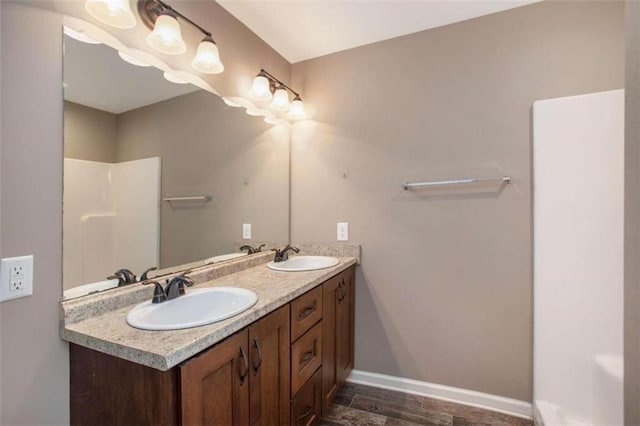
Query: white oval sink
{"points": [[303, 263], [196, 308]]}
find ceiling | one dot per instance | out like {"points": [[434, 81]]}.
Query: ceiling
{"points": [[305, 29], [95, 76]]}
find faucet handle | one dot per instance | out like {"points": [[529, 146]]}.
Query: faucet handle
{"points": [[180, 281], [159, 295], [259, 248], [144, 277]]}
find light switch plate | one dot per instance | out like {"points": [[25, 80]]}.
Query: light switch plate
{"points": [[16, 277], [246, 231], [343, 231]]}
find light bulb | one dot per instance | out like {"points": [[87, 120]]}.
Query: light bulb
{"points": [[79, 35], [260, 89], [115, 13], [296, 111], [207, 59], [166, 36], [172, 78], [132, 60], [280, 100]]}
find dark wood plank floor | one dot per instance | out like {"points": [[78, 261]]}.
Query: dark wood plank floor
{"points": [[363, 405]]}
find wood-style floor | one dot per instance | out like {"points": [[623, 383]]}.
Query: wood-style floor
{"points": [[364, 405]]}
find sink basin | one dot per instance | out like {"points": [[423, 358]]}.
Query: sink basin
{"points": [[196, 308], [303, 263]]}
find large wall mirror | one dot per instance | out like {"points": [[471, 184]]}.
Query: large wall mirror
{"points": [[160, 173]]}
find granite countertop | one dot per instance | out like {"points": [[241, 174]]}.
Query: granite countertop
{"points": [[109, 332]]}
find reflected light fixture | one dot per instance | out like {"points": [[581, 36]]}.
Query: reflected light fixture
{"points": [[166, 35], [172, 78], [266, 88], [79, 35], [132, 60], [115, 13]]}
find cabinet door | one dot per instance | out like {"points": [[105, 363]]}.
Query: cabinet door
{"points": [[345, 311], [337, 333], [269, 364], [214, 386]]}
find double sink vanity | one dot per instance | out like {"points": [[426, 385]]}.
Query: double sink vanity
{"points": [[278, 360]]}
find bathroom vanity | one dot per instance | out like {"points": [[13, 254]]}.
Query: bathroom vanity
{"points": [[279, 363]]}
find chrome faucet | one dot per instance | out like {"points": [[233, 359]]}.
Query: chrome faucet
{"points": [[252, 250], [282, 255], [173, 289]]}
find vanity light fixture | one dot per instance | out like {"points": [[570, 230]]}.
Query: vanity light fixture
{"points": [[166, 35], [266, 88], [280, 100], [115, 13]]}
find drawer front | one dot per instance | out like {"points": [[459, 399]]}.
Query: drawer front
{"points": [[306, 311], [306, 407], [306, 357]]}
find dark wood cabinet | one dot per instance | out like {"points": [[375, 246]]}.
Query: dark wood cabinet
{"points": [[269, 379], [214, 386], [242, 380], [337, 333], [283, 369]]}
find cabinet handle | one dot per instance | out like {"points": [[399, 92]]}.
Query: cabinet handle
{"points": [[245, 363], [256, 345], [307, 311], [342, 286], [307, 356], [309, 409]]}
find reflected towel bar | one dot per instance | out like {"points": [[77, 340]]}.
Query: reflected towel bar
{"points": [[502, 179], [205, 198]]}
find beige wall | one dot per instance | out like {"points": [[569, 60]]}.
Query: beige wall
{"points": [[632, 225], [89, 133], [208, 147], [445, 290], [34, 370]]}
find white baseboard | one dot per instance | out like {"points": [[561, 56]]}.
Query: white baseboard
{"points": [[463, 396]]}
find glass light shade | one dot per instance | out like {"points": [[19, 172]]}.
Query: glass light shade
{"points": [[172, 78], [253, 112], [132, 60], [260, 89], [207, 59], [166, 36], [115, 13], [296, 111], [80, 36], [280, 100]]}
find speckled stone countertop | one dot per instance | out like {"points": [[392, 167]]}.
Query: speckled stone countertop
{"points": [[108, 332]]}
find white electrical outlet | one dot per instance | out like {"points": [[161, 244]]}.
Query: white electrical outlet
{"points": [[16, 277], [246, 231], [343, 231]]}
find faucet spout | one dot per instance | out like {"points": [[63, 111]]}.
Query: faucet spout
{"points": [[282, 255]]}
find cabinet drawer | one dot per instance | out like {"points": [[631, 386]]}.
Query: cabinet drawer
{"points": [[306, 407], [306, 310], [306, 357]]}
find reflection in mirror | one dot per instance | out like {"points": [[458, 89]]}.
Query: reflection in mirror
{"points": [[160, 174]]}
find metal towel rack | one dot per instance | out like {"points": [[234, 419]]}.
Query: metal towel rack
{"points": [[205, 198], [502, 179]]}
